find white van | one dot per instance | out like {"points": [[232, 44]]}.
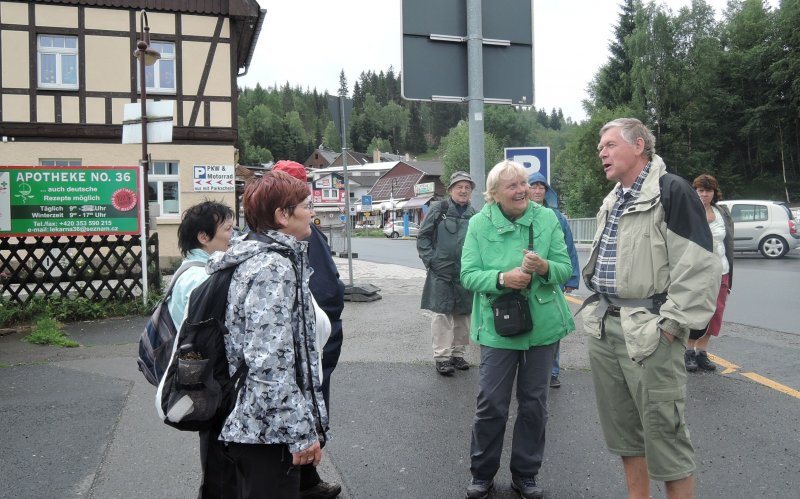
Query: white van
{"points": [[765, 226]]}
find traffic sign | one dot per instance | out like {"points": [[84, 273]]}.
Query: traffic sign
{"points": [[366, 203], [343, 218], [435, 60], [534, 159]]}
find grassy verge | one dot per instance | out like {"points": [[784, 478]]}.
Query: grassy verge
{"points": [[72, 309], [47, 331], [368, 233]]}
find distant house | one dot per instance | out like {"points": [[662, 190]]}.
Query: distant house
{"points": [[408, 188], [320, 158], [67, 72]]}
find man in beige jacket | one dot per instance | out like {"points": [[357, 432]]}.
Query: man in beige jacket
{"points": [[654, 276]]}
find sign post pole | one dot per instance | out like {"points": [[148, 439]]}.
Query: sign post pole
{"points": [[346, 188], [477, 159]]}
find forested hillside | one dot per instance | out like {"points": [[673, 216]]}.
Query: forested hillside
{"points": [[290, 122], [721, 96]]}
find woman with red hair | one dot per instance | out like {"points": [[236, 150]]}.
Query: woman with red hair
{"points": [[279, 419]]}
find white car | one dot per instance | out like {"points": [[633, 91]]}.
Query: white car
{"points": [[395, 229], [765, 226]]}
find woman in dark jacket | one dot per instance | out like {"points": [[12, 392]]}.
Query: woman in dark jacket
{"points": [[721, 225]]}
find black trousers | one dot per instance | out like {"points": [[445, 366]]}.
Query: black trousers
{"points": [[218, 479], [265, 471]]}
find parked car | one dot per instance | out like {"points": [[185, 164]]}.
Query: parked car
{"points": [[395, 229], [765, 226]]}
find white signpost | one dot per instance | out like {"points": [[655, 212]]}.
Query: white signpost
{"points": [[213, 178]]}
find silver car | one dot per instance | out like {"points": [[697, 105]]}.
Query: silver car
{"points": [[396, 229], [765, 226]]}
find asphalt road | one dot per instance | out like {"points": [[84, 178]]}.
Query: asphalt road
{"points": [[764, 291]]}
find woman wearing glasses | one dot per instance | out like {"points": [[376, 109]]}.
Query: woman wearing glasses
{"points": [[280, 418]]}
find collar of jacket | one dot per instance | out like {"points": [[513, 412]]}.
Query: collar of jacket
{"points": [[502, 224], [650, 194], [275, 238]]}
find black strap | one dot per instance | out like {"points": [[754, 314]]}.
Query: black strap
{"points": [[530, 247], [530, 237]]}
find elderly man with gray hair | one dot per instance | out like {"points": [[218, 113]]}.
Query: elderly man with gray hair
{"points": [[654, 276], [439, 245]]}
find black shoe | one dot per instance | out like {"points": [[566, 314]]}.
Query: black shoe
{"points": [[479, 489], [322, 490], [690, 359], [554, 382], [459, 363], [445, 367], [527, 487], [704, 363]]}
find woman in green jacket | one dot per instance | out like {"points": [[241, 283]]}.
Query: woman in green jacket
{"points": [[495, 261]]}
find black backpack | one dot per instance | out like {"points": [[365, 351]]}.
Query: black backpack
{"points": [[155, 342], [197, 390]]}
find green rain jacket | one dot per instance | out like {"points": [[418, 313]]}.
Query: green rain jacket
{"points": [[493, 245]]}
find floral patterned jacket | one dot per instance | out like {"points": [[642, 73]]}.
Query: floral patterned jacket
{"points": [[281, 400]]}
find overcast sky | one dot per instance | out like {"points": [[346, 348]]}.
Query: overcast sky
{"points": [[308, 42]]}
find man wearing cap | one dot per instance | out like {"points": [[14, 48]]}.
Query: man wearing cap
{"points": [[439, 245], [328, 291], [540, 192]]}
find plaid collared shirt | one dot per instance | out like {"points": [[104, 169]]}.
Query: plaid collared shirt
{"points": [[604, 278]]}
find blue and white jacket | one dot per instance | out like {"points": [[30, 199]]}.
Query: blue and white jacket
{"points": [[272, 330]]}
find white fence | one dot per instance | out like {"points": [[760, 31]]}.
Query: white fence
{"points": [[583, 229]]}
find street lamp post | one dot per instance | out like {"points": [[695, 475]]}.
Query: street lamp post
{"points": [[146, 57], [391, 198]]}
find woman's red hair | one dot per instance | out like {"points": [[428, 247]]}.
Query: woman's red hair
{"points": [[266, 194]]}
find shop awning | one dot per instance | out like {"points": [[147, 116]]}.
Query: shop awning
{"points": [[418, 201]]}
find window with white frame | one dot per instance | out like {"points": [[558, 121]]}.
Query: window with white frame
{"points": [[60, 162], [161, 75], [58, 61], [330, 194], [162, 183]]}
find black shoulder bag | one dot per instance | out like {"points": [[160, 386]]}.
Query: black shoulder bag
{"points": [[512, 312]]}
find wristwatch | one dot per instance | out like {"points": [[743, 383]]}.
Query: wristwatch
{"points": [[501, 280]]}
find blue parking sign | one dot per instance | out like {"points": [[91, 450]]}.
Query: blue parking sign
{"points": [[534, 159]]}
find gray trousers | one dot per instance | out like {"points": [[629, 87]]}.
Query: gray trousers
{"points": [[498, 369]]}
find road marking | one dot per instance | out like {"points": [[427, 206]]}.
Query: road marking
{"points": [[772, 384], [576, 301], [730, 367]]}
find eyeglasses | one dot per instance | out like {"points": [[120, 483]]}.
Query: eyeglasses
{"points": [[309, 205]]}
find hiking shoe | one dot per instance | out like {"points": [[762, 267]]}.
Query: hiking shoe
{"points": [[479, 489], [445, 367], [704, 363], [690, 359], [459, 363], [527, 487], [554, 382], [322, 490]]}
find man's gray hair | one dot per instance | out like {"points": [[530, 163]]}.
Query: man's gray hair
{"points": [[632, 129]]}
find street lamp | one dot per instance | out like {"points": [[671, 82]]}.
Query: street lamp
{"points": [[146, 57]]}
